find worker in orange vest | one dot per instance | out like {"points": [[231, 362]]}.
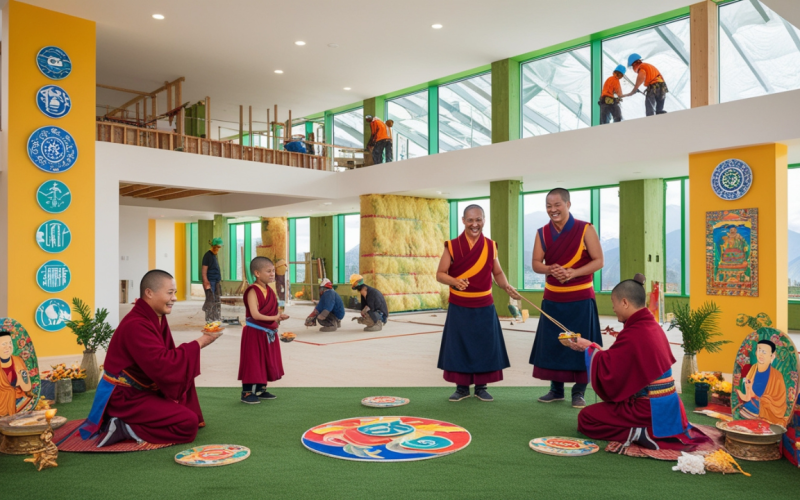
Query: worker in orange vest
{"points": [[611, 97], [380, 140], [656, 88]]}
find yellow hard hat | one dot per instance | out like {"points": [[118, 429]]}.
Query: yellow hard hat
{"points": [[356, 280]]}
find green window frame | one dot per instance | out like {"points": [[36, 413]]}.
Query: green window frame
{"points": [[248, 252], [685, 265], [794, 300], [191, 238], [293, 246], [340, 255]]}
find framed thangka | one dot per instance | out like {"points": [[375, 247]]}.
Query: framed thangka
{"points": [[19, 378], [732, 252]]}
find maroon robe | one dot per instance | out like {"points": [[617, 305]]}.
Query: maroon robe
{"points": [[259, 359], [169, 412]]}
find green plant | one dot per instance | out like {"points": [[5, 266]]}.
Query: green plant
{"points": [[698, 327], [91, 332]]}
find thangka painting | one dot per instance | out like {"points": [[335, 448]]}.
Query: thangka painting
{"points": [[765, 377], [19, 369], [732, 252]]}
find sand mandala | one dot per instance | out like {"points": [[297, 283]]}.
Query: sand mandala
{"points": [[563, 446], [212, 455], [386, 439], [384, 401]]}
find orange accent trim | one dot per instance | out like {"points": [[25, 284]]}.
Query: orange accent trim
{"points": [[475, 269], [565, 289], [450, 247], [578, 255], [470, 295]]}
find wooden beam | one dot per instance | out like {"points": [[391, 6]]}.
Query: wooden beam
{"points": [[208, 118], [161, 192], [179, 99], [130, 188], [241, 126], [169, 84], [120, 89], [250, 130], [151, 189], [124, 106], [168, 88], [185, 194], [704, 35]]}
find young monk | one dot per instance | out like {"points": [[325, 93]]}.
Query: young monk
{"points": [[260, 355]]}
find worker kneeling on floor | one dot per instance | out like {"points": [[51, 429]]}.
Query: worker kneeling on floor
{"points": [[330, 309], [374, 313]]}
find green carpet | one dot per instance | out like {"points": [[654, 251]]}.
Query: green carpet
{"points": [[497, 464]]}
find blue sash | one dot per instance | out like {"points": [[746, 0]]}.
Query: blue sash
{"points": [[91, 426], [270, 333], [666, 408]]}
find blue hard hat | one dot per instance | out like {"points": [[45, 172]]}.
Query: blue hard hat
{"points": [[621, 69], [633, 58]]}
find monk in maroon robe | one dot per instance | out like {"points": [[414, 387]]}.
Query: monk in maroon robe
{"points": [[634, 379], [147, 392]]}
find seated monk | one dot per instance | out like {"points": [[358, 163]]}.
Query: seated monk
{"points": [[634, 379], [147, 390]]}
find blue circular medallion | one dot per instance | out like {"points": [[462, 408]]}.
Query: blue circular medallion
{"points": [[53, 236], [53, 276], [52, 149], [731, 179], [54, 63], [53, 101], [54, 197], [52, 315]]}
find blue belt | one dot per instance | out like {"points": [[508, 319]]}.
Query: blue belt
{"points": [[270, 333]]}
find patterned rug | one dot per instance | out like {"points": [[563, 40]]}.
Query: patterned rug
{"points": [[634, 450], [68, 439]]}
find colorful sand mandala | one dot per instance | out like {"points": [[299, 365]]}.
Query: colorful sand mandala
{"points": [[386, 439], [563, 446], [384, 401], [212, 455]]}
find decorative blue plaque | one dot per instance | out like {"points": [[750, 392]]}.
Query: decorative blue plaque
{"points": [[731, 179], [54, 63], [52, 314], [52, 149], [53, 101], [53, 236], [54, 197], [53, 276]]}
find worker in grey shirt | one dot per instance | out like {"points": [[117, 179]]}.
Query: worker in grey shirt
{"points": [[374, 313]]}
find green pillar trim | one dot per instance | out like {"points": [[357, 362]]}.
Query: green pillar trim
{"points": [[597, 79], [504, 202], [506, 125], [454, 218], [205, 233], [324, 242], [221, 231], [433, 121], [641, 222], [310, 130], [595, 219], [375, 106], [292, 250], [328, 129]]}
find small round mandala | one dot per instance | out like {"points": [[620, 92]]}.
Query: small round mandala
{"points": [[731, 179]]}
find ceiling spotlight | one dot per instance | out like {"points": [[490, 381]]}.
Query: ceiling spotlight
{"points": [[328, 203], [160, 17], [299, 42], [347, 88], [436, 26], [279, 71], [333, 45]]}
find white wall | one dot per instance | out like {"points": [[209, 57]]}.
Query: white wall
{"points": [[165, 245], [133, 248]]}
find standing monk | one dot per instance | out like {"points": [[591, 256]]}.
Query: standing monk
{"points": [[568, 252], [473, 350], [147, 390]]}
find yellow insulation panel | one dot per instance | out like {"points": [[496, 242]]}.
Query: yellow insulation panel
{"points": [[274, 232]]}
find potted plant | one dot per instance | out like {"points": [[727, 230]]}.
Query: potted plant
{"points": [[92, 333], [698, 327]]}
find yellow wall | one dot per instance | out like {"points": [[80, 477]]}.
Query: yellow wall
{"points": [[29, 29], [768, 193], [180, 260], [151, 244]]}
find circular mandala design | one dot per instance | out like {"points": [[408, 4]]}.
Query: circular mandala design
{"points": [[384, 401], [53, 101], [563, 446], [212, 455], [52, 149], [731, 179], [54, 63]]}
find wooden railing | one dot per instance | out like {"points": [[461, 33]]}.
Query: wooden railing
{"points": [[170, 141]]}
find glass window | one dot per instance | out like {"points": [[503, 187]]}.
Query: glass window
{"points": [[348, 130], [687, 260], [465, 113], [484, 204], [794, 234], [557, 93], [302, 242], [666, 47], [609, 237], [673, 243], [299, 130], [352, 242], [759, 51], [236, 256], [410, 130]]}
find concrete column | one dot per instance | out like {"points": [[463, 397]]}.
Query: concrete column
{"points": [[504, 203], [205, 233], [221, 230], [641, 227], [324, 238], [704, 30], [505, 101]]}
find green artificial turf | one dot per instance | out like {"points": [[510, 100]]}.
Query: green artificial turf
{"points": [[497, 464]]}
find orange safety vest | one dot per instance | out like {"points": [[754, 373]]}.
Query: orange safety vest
{"points": [[611, 87], [379, 130], [651, 74]]}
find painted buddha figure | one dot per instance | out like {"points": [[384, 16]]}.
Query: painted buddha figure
{"points": [[15, 384], [764, 393], [733, 252]]}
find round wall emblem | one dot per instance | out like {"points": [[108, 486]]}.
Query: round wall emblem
{"points": [[53, 236], [731, 179], [53, 101], [54, 197], [53, 276], [52, 149], [54, 63], [52, 314]]}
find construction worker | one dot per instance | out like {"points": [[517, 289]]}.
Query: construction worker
{"points": [[611, 97], [374, 313], [379, 141], [330, 310], [656, 88], [295, 145]]}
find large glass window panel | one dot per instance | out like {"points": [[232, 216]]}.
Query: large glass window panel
{"points": [[237, 257], [348, 130], [299, 130], [674, 233], [484, 204], [302, 244], [686, 254], [794, 234], [465, 113], [410, 130], [666, 47], [759, 51], [609, 236], [557, 93], [352, 241]]}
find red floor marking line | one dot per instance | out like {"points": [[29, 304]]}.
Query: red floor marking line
{"points": [[371, 338], [399, 256]]}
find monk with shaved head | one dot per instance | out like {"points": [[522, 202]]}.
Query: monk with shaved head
{"points": [[147, 392]]}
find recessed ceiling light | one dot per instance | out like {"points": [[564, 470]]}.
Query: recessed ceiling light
{"points": [[333, 45], [279, 71], [347, 88], [299, 42], [436, 26], [160, 17]]}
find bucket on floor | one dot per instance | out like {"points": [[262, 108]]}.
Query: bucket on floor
{"points": [[78, 385], [48, 390]]}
